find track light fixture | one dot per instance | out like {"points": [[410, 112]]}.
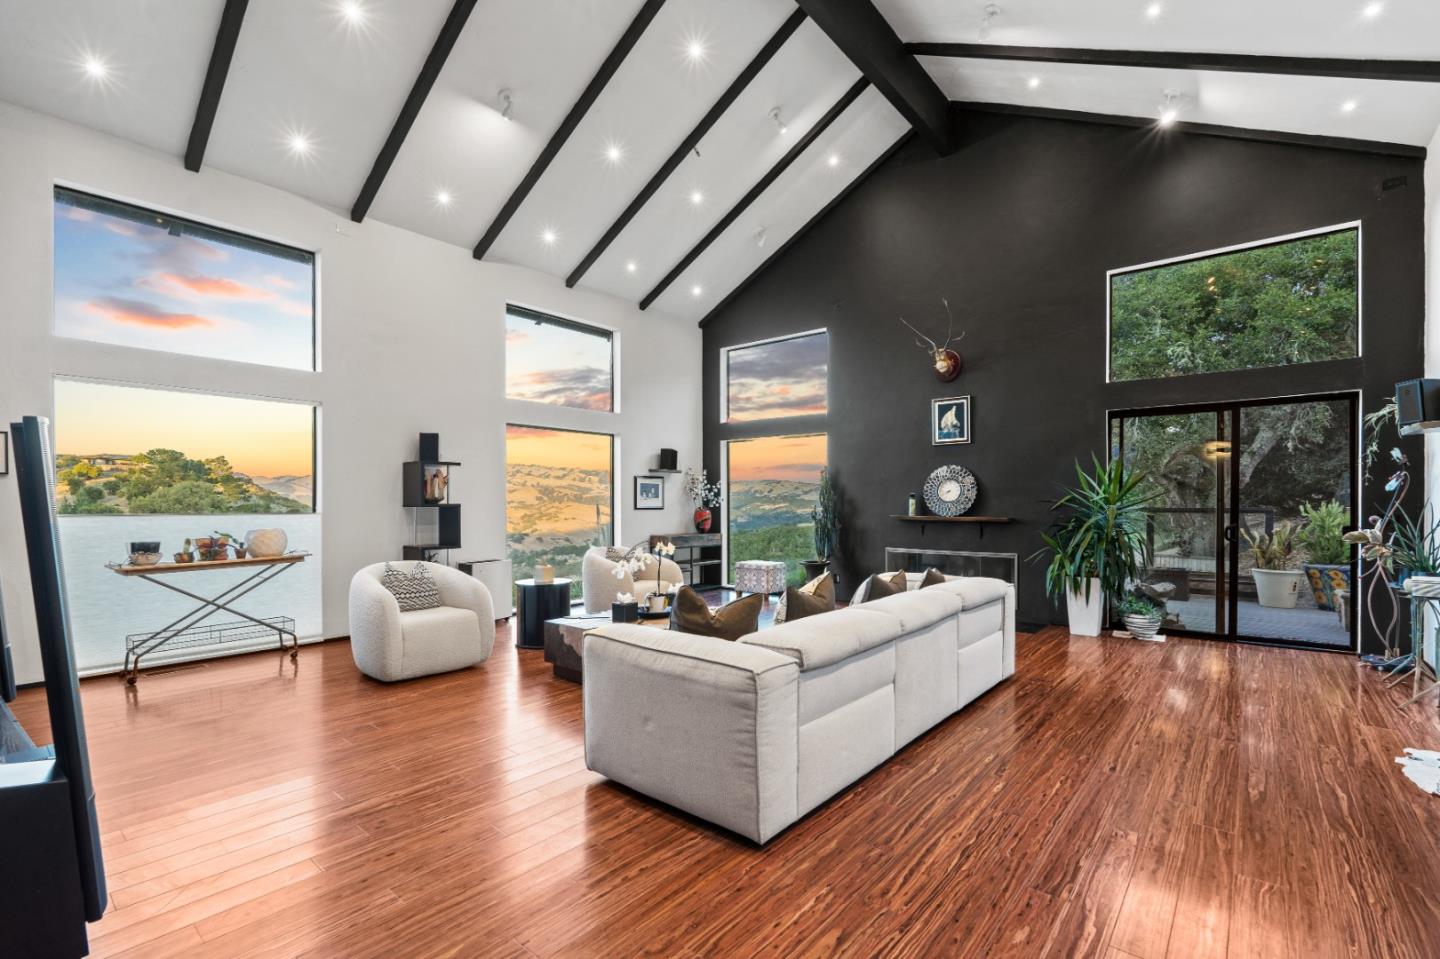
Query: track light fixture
{"points": [[507, 103], [779, 123], [1170, 108], [760, 237]]}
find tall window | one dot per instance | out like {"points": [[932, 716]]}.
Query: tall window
{"points": [[1273, 304], [550, 360], [559, 498], [147, 465], [779, 378], [773, 483], [133, 277]]}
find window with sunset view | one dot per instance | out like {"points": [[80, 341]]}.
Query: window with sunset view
{"points": [[779, 378], [559, 498], [557, 361], [133, 277], [151, 465], [772, 483]]}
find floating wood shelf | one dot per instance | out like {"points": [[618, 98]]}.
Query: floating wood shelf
{"points": [[980, 521]]}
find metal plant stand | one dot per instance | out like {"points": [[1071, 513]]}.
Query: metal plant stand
{"points": [[1420, 671], [190, 630]]}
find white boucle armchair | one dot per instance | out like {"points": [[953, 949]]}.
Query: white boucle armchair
{"points": [[597, 575], [389, 645]]}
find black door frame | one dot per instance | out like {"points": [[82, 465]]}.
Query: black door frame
{"points": [[1227, 508]]}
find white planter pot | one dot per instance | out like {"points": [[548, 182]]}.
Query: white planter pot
{"points": [[1278, 588], [1086, 615], [1143, 627]]}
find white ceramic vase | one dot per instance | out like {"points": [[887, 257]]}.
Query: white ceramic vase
{"points": [[1086, 615], [266, 543], [1278, 588]]}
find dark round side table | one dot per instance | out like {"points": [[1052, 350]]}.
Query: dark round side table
{"points": [[535, 603]]}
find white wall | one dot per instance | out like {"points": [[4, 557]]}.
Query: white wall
{"points": [[412, 338]]}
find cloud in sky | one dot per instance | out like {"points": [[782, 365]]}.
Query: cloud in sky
{"points": [[586, 387], [118, 309], [786, 378], [190, 286]]}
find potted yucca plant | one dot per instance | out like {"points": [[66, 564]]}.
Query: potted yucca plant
{"points": [[1277, 581]]}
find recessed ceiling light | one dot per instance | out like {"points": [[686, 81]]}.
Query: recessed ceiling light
{"points": [[833, 160], [1372, 10], [1154, 10], [96, 68], [614, 153], [696, 198], [549, 237], [444, 198], [695, 49], [298, 143], [353, 12], [631, 266], [697, 291], [1349, 106], [1033, 83]]}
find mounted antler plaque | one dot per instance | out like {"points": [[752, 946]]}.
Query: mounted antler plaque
{"points": [[947, 361]]}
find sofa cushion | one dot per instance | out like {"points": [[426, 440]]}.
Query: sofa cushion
{"points": [[978, 622], [828, 688], [817, 641], [880, 585], [917, 609], [975, 590], [815, 597], [932, 577], [692, 615]]}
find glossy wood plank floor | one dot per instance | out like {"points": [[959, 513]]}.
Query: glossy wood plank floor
{"points": [[1115, 799]]}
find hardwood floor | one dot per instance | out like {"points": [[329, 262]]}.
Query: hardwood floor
{"points": [[1115, 799]]}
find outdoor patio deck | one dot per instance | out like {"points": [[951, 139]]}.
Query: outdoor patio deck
{"points": [[1307, 625]]}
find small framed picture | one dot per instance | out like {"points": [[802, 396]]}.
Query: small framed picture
{"points": [[649, 492], [4, 453], [950, 420]]}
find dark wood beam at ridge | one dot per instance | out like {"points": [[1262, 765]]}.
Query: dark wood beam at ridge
{"points": [[809, 224], [689, 143], [791, 155], [1424, 71], [434, 63], [863, 34], [220, 55], [593, 89]]}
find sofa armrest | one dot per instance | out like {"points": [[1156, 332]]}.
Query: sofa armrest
{"points": [[704, 724], [374, 628]]}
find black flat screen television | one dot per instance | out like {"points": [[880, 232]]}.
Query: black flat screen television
{"points": [[35, 470]]}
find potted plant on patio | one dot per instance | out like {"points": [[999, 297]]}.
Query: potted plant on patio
{"points": [[1277, 581], [1098, 546], [825, 513], [1142, 617], [1327, 555]]}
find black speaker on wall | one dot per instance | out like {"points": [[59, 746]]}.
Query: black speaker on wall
{"points": [[669, 460], [1417, 401], [429, 447]]}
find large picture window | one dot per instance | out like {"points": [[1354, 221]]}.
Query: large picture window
{"points": [[133, 277], [773, 483], [550, 360], [146, 465], [1282, 302], [559, 498], [777, 379]]}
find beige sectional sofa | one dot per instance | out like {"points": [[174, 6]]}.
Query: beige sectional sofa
{"points": [[752, 735]]}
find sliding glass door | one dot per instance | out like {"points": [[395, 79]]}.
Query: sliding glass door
{"points": [[1245, 533]]}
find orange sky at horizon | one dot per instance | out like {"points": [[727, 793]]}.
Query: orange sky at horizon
{"points": [[258, 437], [567, 449], [779, 457]]}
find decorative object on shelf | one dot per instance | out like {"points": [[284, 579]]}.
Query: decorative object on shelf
{"points": [[1327, 555], [1142, 617], [544, 573], [145, 558], [425, 491], [234, 542], [912, 506], [429, 447], [946, 361], [1277, 581], [706, 497], [668, 462], [1098, 545], [950, 420], [186, 554], [266, 543], [950, 491], [649, 492], [826, 516], [437, 482]]}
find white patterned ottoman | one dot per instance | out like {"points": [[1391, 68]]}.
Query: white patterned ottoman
{"points": [[759, 576]]}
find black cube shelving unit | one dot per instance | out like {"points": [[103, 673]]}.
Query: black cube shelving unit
{"points": [[414, 475]]}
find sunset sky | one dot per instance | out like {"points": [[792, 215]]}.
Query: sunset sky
{"points": [[529, 446], [551, 364], [135, 284], [784, 378], [797, 458], [259, 437]]}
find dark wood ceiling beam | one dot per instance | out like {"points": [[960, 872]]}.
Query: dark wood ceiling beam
{"points": [[434, 63], [593, 89], [791, 24], [750, 197], [220, 55], [1424, 71], [863, 34]]}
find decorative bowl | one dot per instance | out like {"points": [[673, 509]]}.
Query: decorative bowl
{"points": [[266, 543], [144, 559]]}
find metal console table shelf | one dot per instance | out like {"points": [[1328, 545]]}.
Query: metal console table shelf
{"points": [[190, 630], [1419, 670]]}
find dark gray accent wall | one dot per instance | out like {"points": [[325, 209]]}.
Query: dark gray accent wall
{"points": [[1018, 228]]}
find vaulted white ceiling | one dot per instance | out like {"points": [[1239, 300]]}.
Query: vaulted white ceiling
{"points": [[302, 68]]}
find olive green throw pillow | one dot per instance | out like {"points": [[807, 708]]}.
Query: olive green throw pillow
{"points": [[933, 577], [886, 584], [689, 614], [816, 596]]}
